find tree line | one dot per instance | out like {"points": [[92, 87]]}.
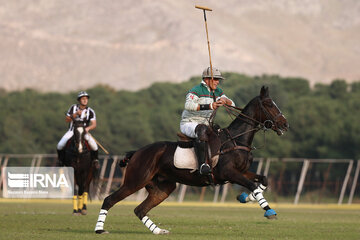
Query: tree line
{"points": [[324, 119]]}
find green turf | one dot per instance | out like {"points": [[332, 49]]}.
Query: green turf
{"points": [[49, 220]]}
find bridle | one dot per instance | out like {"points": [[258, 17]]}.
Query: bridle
{"points": [[269, 123], [269, 117]]}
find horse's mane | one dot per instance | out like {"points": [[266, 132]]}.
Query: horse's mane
{"points": [[245, 111]]}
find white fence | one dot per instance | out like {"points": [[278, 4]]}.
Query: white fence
{"points": [[111, 176]]}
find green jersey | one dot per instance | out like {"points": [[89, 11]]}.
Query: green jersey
{"points": [[200, 94]]}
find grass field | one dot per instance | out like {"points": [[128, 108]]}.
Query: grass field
{"points": [[52, 219]]}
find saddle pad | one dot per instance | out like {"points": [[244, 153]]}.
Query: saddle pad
{"points": [[185, 158]]}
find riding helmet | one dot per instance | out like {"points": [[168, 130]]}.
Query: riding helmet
{"points": [[82, 94], [216, 73]]}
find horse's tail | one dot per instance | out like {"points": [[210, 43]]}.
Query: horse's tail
{"points": [[126, 159], [95, 180]]}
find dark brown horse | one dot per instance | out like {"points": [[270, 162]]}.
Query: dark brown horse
{"points": [[78, 156], [153, 167]]}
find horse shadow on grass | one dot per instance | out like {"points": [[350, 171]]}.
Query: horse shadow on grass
{"points": [[83, 231], [113, 232]]}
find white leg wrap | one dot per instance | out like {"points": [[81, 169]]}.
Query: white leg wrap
{"points": [[101, 220], [251, 198], [261, 188], [150, 225], [260, 198]]}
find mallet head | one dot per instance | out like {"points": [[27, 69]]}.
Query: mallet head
{"points": [[203, 8]]}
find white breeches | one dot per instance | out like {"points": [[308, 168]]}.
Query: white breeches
{"points": [[64, 140], [189, 129], [69, 134]]}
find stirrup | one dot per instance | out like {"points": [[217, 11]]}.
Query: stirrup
{"points": [[205, 169]]}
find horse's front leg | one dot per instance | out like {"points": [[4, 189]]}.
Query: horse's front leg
{"points": [[256, 178], [247, 180], [244, 197]]}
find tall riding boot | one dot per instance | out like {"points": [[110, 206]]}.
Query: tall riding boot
{"points": [[95, 158], [95, 155], [201, 148], [61, 157]]}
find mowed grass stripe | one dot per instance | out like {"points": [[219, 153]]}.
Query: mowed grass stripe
{"points": [[44, 219], [195, 204]]}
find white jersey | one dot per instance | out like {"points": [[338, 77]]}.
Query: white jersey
{"points": [[87, 115]]}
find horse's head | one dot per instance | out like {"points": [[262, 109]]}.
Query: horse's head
{"points": [[270, 114], [79, 133]]}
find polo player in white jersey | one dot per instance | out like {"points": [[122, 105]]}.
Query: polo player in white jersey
{"points": [[79, 112]]}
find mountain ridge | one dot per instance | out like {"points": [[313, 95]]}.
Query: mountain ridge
{"points": [[60, 46]]}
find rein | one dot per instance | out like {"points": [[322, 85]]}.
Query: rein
{"points": [[236, 111]]}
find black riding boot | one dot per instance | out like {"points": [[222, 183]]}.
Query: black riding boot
{"points": [[95, 158], [61, 157], [95, 155], [201, 148]]}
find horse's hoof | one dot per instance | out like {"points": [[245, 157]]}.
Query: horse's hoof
{"points": [[101, 232], [242, 197], [163, 232], [270, 214], [75, 213]]}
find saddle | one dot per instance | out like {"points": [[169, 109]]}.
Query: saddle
{"points": [[185, 157]]}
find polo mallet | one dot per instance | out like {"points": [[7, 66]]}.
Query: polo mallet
{"points": [[101, 146], [207, 35]]}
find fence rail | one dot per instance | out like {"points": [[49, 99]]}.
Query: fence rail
{"points": [[111, 175]]}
